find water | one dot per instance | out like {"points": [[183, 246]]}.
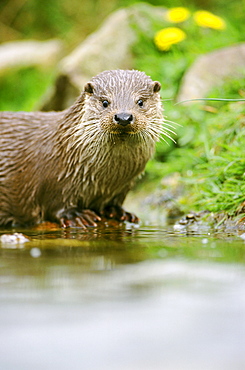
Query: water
{"points": [[117, 298]]}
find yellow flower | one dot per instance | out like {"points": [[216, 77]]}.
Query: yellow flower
{"points": [[206, 19], [168, 36], [177, 15]]}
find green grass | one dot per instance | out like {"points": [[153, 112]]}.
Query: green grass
{"points": [[208, 155], [221, 176], [210, 141]]}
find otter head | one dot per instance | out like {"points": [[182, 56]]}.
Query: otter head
{"points": [[124, 103]]}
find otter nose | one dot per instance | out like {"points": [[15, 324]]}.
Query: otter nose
{"points": [[123, 119]]}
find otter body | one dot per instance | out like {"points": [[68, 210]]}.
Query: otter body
{"points": [[55, 166]]}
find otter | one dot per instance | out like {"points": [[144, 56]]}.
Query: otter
{"points": [[76, 165]]}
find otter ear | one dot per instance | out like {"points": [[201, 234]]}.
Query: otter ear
{"points": [[156, 86], [89, 88]]}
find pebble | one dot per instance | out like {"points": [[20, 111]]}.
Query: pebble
{"points": [[16, 240]]}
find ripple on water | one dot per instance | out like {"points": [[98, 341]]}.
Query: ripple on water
{"points": [[123, 297]]}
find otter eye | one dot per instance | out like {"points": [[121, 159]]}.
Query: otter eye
{"points": [[140, 103], [105, 103]]}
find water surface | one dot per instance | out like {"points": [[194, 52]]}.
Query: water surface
{"points": [[123, 298]]}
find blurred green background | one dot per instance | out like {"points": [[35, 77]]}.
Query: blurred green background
{"points": [[72, 20]]}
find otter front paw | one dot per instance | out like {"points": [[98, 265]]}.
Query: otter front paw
{"points": [[73, 218], [118, 213]]}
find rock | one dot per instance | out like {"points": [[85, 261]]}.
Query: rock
{"points": [[104, 49], [13, 241], [107, 48], [211, 70], [18, 54]]}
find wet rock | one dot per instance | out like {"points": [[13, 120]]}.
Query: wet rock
{"points": [[107, 48], [197, 222], [219, 222], [18, 54], [190, 218], [211, 70], [13, 241]]}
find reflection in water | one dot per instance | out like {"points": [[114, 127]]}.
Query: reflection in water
{"points": [[117, 298]]}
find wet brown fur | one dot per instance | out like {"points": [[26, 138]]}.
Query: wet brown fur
{"points": [[80, 157]]}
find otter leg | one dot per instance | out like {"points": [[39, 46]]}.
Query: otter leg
{"points": [[119, 214], [73, 218]]}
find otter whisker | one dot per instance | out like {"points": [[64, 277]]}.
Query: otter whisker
{"points": [[174, 123], [145, 135], [152, 134], [167, 128], [163, 131], [168, 136], [165, 123]]}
